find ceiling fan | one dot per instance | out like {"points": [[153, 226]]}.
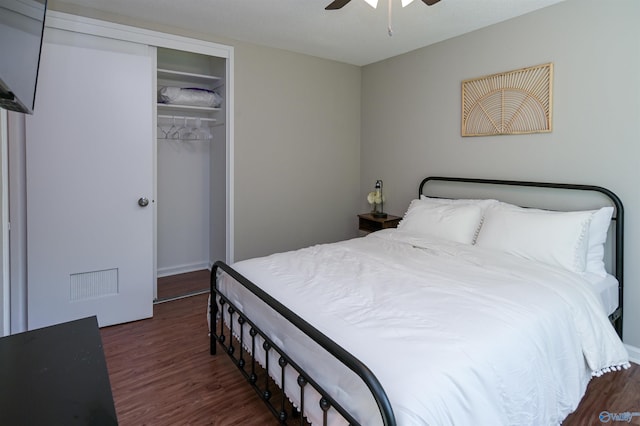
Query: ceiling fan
{"points": [[339, 4]]}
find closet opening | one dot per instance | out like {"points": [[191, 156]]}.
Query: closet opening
{"points": [[191, 171]]}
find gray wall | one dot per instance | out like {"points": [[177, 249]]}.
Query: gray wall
{"points": [[297, 150], [411, 113]]}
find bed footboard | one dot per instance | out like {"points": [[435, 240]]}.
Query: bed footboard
{"points": [[243, 349]]}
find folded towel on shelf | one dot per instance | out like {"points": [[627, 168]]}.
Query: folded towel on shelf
{"points": [[191, 96]]}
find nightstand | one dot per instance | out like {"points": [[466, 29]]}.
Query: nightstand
{"points": [[368, 223]]}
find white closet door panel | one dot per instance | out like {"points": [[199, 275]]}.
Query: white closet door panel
{"points": [[89, 160]]}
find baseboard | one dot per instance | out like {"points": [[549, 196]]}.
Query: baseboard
{"points": [[181, 269], [634, 354]]}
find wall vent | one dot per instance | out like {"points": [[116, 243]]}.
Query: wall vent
{"points": [[90, 285]]}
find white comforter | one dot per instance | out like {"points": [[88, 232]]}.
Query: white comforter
{"points": [[455, 334]]}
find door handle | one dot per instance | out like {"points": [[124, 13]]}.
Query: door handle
{"points": [[143, 202]]}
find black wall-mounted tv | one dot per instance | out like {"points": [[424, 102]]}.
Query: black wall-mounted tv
{"points": [[21, 29]]}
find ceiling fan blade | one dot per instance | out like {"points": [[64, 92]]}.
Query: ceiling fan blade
{"points": [[337, 4], [430, 2]]}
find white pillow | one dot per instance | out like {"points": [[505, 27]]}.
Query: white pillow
{"points": [[600, 221], [482, 203], [556, 238], [598, 230], [451, 222]]}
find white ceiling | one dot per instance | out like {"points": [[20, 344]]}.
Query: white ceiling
{"points": [[355, 34]]}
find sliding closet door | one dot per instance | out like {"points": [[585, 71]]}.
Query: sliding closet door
{"points": [[90, 182]]}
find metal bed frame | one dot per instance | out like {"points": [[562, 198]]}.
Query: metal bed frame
{"points": [[246, 362]]}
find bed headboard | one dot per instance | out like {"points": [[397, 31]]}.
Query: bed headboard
{"points": [[549, 196]]}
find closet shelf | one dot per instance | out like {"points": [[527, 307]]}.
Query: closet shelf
{"points": [[187, 107], [171, 74], [179, 117], [182, 123], [187, 139]]}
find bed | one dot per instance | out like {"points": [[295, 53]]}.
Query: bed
{"points": [[473, 311]]}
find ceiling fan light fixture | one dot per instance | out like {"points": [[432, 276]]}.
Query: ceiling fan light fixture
{"points": [[339, 4]]}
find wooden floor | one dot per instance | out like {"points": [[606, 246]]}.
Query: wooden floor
{"points": [[182, 284], [162, 374]]}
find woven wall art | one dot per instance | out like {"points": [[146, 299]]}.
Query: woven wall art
{"points": [[508, 103]]}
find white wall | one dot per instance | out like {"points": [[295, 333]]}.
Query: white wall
{"points": [[411, 113], [183, 206], [18, 217], [4, 220]]}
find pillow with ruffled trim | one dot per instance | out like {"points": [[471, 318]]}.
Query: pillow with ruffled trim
{"points": [[555, 238]]}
